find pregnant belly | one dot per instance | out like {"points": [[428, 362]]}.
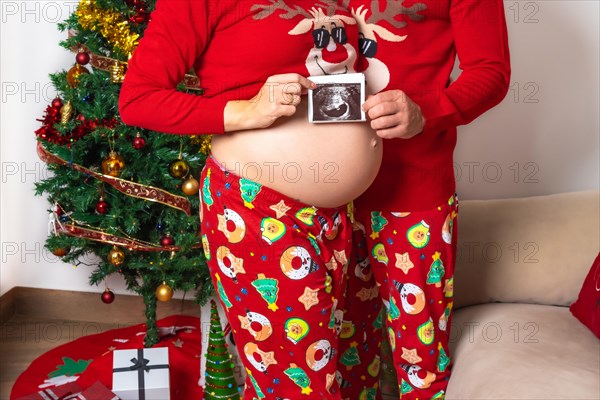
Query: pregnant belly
{"points": [[325, 165]]}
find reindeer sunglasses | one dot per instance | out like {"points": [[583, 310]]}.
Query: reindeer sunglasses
{"points": [[321, 36], [367, 47]]}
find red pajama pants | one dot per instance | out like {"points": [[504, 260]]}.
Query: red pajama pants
{"points": [[279, 269], [308, 291], [412, 256]]}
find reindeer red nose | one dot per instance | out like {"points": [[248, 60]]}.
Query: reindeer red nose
{"points": [[334, 53]]}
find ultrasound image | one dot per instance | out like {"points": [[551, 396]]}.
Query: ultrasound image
{"points": [[336, 102]]}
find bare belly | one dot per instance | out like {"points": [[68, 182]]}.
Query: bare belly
{"points": [[326, 165]]}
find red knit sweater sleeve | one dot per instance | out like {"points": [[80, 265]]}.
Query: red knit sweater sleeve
{"points": [[481, 40], [172, 42]]}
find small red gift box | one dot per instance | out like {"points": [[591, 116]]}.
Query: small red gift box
{"points": [[95, 392], [54, 393]]}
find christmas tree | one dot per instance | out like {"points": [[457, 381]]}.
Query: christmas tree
{"points": [[350, 357], [220, 383], [436, 271], [122, 194]]}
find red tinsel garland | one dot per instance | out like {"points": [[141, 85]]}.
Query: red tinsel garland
{"points": [[52, 116]]}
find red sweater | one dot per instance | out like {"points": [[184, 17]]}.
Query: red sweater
{"points": [[233, 46]]}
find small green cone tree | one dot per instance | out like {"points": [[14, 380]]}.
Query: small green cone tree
{"points": [[220, 382]]}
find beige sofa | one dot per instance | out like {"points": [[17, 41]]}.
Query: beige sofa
{"points": [[521, 264]]}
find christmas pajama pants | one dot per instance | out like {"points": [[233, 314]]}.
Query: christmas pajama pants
{"points": [[411, 256], [279, 267]]}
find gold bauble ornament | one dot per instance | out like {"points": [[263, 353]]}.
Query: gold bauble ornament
{"points": [[164, 292], [74, 74], [116, 256], [113, 165], [190, 186], [179, 169], [65, 112]]}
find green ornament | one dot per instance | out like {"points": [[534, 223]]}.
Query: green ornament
{"points": [[378, 323], [393, 310], [267, 288], [206, 196], [299, 377], [368, 394], [249, 190], [314, 243], [350, 358], [222, 294], [378, 222], [443, 359], [405, 387], [436, 272], [259, 392]]}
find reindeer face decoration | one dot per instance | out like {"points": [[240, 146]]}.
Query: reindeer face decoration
{"points": [[377, 73], [327, 22]]}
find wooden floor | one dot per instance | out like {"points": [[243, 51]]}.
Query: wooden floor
{"points": [[33, 321]]}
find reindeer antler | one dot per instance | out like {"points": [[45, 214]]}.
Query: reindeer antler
{"points": [[394, 8], [332, 6], [268, 9]]}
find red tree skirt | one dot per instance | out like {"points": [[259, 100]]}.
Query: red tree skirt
{"points": [[90, 359]]}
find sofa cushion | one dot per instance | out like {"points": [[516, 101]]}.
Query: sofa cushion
{"points": [[522, 351], [526, 250], [587, 306]]}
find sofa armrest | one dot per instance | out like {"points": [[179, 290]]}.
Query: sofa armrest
{"points": [[526, 250]]}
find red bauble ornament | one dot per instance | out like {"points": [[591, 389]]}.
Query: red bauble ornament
{"points": [[80, 118], [167, 240], [102, 206], [82, 58], [57, 103], [139, 142], [107, 296]]}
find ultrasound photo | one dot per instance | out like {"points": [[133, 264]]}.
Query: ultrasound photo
{"points": [[337, 98]]}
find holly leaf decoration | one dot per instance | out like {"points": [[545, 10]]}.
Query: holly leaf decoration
{"points": [[69, 367]]}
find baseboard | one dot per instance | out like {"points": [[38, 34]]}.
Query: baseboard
{"points": [[85, 306], [7, 305]]}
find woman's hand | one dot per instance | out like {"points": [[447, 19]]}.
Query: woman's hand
{"points": [[278, 97], [394, 115]]}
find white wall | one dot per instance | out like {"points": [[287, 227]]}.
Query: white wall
{"points": [[543, 138]]}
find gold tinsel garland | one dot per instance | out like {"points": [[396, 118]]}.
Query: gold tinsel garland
{"points": [[109, 23], [204, 141]]}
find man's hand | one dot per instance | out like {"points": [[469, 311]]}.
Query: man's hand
{"points": [[394, 115]]}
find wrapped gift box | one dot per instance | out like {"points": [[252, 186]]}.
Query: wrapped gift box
{"points": [[95, 392], [54, 393], [141, 374]]}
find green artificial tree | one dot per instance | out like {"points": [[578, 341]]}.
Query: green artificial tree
{"points": [[220, 382], [127, 196]]}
